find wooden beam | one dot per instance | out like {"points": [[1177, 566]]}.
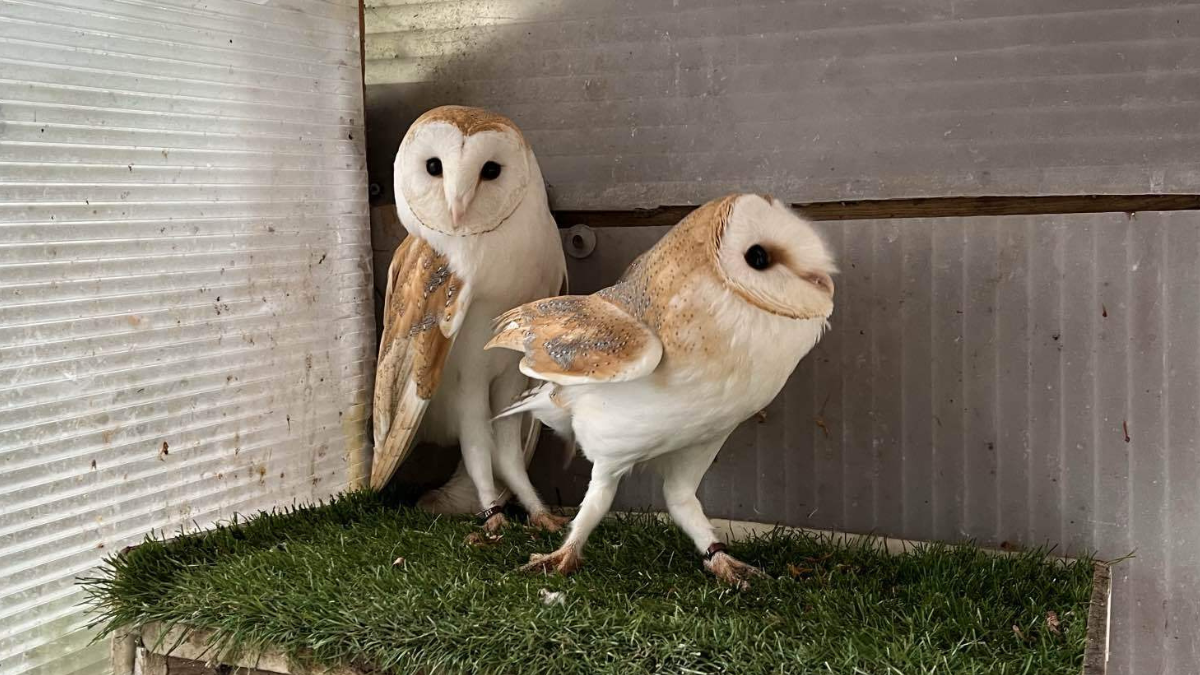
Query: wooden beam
{"points": [[195, 645], [1095, 653], [925, 207], [155, 664]]}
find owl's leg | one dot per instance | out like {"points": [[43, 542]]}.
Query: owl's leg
{"points": [[596, 502], [682, 472], [510, 465], [510, 461], [475, 438]]}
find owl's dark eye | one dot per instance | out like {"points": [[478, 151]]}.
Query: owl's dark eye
{"points": [[434, 166], [757, 257], [490, 171]]}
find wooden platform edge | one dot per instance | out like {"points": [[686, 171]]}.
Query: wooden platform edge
{"points": [[192, 644], [730, 531], [1099, 622], [124, 650]]}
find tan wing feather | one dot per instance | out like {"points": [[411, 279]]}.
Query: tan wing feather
{"points": [[575, 339], [534, 434], [423, 301]]}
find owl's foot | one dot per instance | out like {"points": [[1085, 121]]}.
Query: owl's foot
{"points": [[495, 523], [544, 520], [483, 539], [564, 561], [732, 571]]}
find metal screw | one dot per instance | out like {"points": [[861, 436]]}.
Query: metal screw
{"points": [[580, 241]]}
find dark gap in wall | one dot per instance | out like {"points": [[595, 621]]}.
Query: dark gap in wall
{"points": [[362, 46], [922, 207]]}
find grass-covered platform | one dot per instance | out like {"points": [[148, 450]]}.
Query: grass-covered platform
{"points": [[380, 589]]}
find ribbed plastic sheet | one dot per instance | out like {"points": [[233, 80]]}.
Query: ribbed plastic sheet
{"points": [[186, 328]]}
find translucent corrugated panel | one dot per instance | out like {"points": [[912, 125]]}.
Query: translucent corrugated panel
{"points": [[186, 325]]}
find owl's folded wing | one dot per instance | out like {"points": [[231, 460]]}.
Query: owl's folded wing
{"points": [[576, 339], [422, 312]]}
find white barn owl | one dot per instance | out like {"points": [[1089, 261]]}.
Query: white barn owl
{"points": [[700, 333], [481, 240]]}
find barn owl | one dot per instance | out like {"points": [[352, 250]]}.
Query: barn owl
{"points": [[481, 240], [700, 333]]}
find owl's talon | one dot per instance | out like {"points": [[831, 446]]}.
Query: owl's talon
{"points": [[564, 561], [544, 520], [733, 571]]}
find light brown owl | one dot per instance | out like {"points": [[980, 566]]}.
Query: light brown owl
{"points": [[481, 240], [700, 333]]}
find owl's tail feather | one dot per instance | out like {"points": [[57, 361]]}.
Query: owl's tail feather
{"points": [[540, 402]]}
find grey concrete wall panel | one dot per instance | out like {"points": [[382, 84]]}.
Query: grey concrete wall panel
{"points": [[639, 104], [1021, 381], [186, 327]]}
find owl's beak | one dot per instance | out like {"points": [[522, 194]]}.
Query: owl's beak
{"points": [[457, 209], [459, 198]]}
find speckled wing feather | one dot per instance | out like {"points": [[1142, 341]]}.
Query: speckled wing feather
{"points": [[422, 311], [531, 428], [577, 339]]}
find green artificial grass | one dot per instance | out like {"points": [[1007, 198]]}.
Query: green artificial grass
{"points": [[319, 583]]}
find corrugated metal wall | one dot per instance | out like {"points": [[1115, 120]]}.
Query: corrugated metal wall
{"points": [[634, 103], [983, 373], [1021, 380], [185, 320]]}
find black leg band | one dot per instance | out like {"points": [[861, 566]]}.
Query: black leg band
{"points": [[486, 514], [716, 548]]}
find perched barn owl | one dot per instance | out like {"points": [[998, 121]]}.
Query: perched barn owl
{"points": [[699, 334], [481, 240]]}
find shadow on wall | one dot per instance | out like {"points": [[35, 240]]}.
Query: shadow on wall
{"points": [[443, 54], [390, 110]]}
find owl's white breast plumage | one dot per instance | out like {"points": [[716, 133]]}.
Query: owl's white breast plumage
{"points": [[736, 365]]}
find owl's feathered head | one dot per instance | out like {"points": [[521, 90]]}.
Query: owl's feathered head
{"points": [[462, 171], [772, 258], [757, 247]]}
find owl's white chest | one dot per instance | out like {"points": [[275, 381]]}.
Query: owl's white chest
{"points": [[517, 263], [692, 400]]}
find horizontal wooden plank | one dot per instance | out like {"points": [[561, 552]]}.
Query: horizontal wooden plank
{"points": [[386, 229], [932, 207], [155, 664], [193, 645]]}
